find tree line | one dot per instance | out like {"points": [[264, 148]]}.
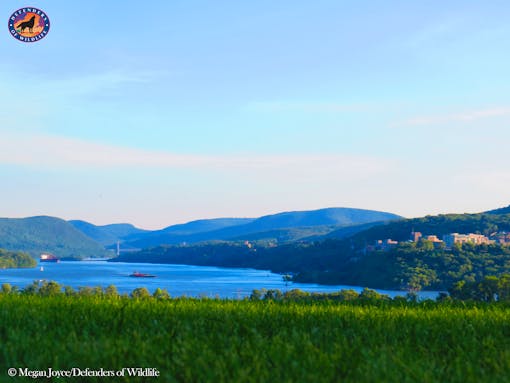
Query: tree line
{"points": [[15, 259], [491, 289]]}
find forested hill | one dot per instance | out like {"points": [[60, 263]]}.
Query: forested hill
{"points": [[36, 235], [348, 261], [439, 225], [503, 210], [412, 265]]}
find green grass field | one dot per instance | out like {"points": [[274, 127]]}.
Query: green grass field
{"points": [[192, 340]]}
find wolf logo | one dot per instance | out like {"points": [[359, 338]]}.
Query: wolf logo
{"points": [[27, 24]]}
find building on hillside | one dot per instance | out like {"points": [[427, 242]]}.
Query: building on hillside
{"points": [[435, 241], [385, 244], [432, 238], [453, 238], [503, 238], [415, 236]]}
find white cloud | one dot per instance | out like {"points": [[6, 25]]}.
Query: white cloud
{"points": [[55, 152], [92, 83], [466, 116], [308, 107], [491, 181], [44, 88], [45, 95]]}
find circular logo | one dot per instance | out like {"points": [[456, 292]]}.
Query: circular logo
{"points": [[29, 24]]}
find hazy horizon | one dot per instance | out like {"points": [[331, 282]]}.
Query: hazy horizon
{"points": [[220, 217], [162, 113]]}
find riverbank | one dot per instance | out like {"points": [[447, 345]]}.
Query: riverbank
{"points": [[179, 280]]}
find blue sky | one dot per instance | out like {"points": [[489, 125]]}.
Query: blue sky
{"points": [[164, 112]]}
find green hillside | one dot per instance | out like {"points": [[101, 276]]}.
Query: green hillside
{"points": [[36, 235], [503, 210], [436, 225], [410, 266]]}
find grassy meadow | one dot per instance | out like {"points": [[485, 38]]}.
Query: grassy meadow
{"points": [[207, 340]]}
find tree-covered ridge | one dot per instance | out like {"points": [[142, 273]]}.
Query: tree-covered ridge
{"points": [[439, 225], [411, 266], [416, 266], [36, 235], [13, 259], [503, 210]]}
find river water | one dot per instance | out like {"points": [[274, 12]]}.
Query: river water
{"points": [[179, 280]]}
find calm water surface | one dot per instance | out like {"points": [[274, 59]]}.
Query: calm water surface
{"points": [[179, 280]]}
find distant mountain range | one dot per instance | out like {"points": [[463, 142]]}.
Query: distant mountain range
{"points": [[107, 234], [80, 239], [281, 227]]}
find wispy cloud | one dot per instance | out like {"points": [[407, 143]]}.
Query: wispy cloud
{"points": [[466, 116], [55, 152], [49, 96], [43, 87], [491, 181], [91, 83], [443, 30], [308, 107]]}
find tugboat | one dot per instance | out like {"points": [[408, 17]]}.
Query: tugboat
{"points": [[137, 274], [48, 258]]}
